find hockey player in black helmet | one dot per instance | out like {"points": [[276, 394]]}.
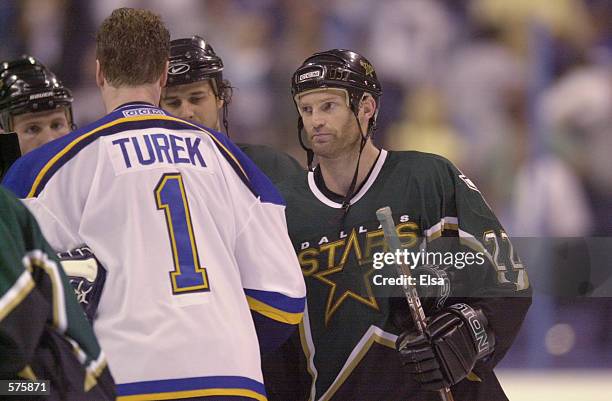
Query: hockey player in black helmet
{"points": [[351, 75], [196, 91], [355, 324], [33, 103]]}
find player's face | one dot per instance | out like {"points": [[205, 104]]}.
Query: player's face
{"points": [[36, 129], [196, 102], [330, 124]]}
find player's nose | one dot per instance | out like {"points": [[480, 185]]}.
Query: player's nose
{"points": [[186, 111], [318, 119]]}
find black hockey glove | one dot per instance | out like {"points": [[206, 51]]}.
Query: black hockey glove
{"points": [[455, 339]]}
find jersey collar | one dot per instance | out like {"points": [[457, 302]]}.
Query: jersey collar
{"points": [[320, 195], [134, 104]]}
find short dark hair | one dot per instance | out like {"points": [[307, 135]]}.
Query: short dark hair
{"points": [[132, 47]]}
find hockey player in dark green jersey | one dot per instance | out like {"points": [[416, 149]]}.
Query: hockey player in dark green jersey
{"points": [[357, 340], [43, 332], [196, 91]]}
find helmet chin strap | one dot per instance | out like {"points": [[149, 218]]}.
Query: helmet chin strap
{"points": [[309, 152], [349, 194], [346, 203]]}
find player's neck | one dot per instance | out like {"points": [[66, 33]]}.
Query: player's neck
{"points": [[338, 172], [115, 97]]}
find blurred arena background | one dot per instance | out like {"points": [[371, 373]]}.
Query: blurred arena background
{"points": [[517, 93]]}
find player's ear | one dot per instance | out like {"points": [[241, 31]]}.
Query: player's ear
{"points": [[99, 75], [368, 106], [164, 77]]}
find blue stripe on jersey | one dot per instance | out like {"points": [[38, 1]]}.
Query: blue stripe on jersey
{"points": [[277, 300], [27, 179], [22, 174], [29, 174], [217, 385]]}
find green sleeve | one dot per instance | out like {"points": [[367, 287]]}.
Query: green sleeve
{"points": [[495, 280]]}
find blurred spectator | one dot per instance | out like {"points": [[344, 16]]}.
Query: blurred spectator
{"points": [[249, 60], [11, 36], [410, 41], [44, 22], [578, 112], [565, 19], [426, 128]]}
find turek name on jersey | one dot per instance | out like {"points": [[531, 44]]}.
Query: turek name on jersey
{"points": [[147, 149]]}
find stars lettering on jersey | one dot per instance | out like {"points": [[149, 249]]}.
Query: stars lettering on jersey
{"points": [[345, 284]]}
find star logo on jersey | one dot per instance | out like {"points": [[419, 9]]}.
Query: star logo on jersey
{"points": [[81, 293], [347, 283]]}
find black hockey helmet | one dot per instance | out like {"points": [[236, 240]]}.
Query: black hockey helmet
{"points": [[338, 68], [27, 86], [192, 60], [341, 69]]}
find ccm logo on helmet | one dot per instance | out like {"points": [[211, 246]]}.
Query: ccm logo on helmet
{"points": [[309, 75], [179, 68]]}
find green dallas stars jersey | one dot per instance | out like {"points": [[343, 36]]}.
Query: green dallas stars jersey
{"points": [[275, 164], [350, 325], [43, 331]]}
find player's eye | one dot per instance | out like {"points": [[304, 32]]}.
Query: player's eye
{"points": [[33, 129], [306, 109], [196, 99], [57, 125], [174, 103], [328, 106]]}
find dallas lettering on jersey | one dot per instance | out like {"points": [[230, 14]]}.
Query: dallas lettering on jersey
{"points": [[150, 149]]}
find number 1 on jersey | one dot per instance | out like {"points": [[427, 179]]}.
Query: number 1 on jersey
{"points": [[188, 275]]}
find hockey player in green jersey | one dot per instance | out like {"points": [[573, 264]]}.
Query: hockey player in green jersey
{"points": [[357, 342], [43, 332], [196, 91]]}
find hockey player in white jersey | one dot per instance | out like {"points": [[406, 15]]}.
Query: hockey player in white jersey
{"points": [[192, 234]]}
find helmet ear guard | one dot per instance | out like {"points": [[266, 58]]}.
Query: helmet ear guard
{"points": [[27, 86]]}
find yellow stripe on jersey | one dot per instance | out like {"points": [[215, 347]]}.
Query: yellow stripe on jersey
{"points": [[211, 392], [17, 293], [309, 356], [74, 143], [274, 313], [40, 259], [93, 370], [27, 373], [350, 367]]}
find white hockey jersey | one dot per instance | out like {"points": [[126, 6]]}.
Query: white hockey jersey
{"points": [[192, 235]]}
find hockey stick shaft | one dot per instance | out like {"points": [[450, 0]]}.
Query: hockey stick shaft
{"points": [[385, 218]]}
